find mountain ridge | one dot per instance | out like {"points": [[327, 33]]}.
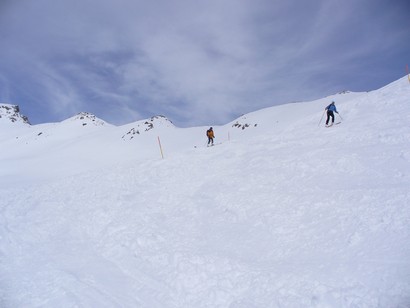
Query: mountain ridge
{"points": [[12, 113], [84, 137]]}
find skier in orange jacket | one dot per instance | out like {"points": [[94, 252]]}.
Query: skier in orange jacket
{"points": [[211, 136]]}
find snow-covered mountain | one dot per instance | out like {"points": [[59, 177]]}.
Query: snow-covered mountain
{"points": [[282, 212]]}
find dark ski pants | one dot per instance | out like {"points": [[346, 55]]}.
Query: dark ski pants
{"points": [[210, 140], [330, 114]]}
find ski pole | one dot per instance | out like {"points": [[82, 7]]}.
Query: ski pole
{"points": [[340, 116], [321, 118]]}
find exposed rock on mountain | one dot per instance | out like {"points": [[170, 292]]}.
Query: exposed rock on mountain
{"points": [[12, 113], [242, 123]]}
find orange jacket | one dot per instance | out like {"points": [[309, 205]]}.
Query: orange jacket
{"points": [[210, 133]]}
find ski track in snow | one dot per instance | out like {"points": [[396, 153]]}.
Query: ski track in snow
{"points": [[308, 217]]}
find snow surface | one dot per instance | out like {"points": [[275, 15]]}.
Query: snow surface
{"points": [[283, 212]]}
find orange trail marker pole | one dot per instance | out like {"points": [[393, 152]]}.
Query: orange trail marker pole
{"points": [[160, 148]]}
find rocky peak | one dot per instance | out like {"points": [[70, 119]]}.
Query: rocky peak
{"points": [[160, 120], [147, 125], [86, 118], [12, 113]]}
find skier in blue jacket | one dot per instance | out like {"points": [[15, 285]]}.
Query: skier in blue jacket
{"points": [[330, 109]]}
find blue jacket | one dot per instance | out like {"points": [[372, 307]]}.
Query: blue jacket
{"points": [[331, 107]]}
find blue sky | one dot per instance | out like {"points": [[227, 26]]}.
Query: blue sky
{"points": [[196, 62]]}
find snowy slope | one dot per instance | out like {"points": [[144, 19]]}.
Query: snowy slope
{"points": [[282, 214]]}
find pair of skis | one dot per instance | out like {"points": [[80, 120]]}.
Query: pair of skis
{"points": [[330, 125], [213, 144]]}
